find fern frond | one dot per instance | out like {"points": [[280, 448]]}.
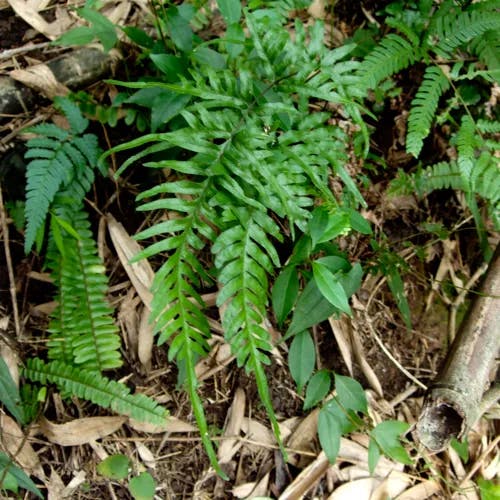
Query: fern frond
{"points": [[466, 144], [487, 48], [453, 30], [423, 108], [82, 329], [92, 386], [391, 55], [244, 256], [59, 160]]}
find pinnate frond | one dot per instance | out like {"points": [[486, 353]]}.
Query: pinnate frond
{"points": [[82, 329], [391, 55], [423, 108], [94, 387]]}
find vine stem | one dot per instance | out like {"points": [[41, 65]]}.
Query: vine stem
{"points": [[10, 269]]}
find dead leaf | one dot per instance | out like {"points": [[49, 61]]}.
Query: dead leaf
{"points": [[341, 332], [145, 339], [361, 489], [146, 455], [140, 273], [258, 433], [392, 486], [29, 12], [80, 431], [11, 360], [11, 438], [421, 491], [234, 422], [172, 424], [40, 78]]}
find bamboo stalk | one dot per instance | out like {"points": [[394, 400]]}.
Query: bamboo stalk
{"points": [[453, 403]]}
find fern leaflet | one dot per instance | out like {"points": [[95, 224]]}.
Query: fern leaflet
{"points": [[393, 54], [58, 159], [423, 108], [92, 386]]}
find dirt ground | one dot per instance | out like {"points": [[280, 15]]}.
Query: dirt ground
{"points": [[176, 458]]}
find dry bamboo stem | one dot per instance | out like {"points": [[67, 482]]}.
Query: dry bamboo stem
{"points": [[453, 403]]}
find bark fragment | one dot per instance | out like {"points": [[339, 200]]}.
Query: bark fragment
{"points": [[453, 403]]}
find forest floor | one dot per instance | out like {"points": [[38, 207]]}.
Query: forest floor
{"points": [[358, 347]]}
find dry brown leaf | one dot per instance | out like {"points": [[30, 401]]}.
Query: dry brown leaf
{"points": [[172, 424], [40, 78], [361, 489], [243, 490], [257, 432], [146, 455], [11, 360], [341, 331], [261, 488], [367, 370], [80, 431], [145, 339], [234, 421], [140, 273], [392, 486], [421, 491], [11, 438], [55, 486], [304, 439], [29, 13]]}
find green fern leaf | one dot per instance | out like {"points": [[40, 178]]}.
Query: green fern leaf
{"points": [[453, 30], [423, 108], [466, 144], [82, 328], [244, 256], [92, 386], [391, 55], [78, 124], [59, 160]]}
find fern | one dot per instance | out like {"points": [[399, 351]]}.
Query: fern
{"points": [[453, 30], [252, 152], [390, 56], [423, 108], [92, 386], [57, 157], [82, 329]]}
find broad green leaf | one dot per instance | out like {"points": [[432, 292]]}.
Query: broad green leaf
{"points": [[142, 487], [338, 224], [21, 477], [335, 263], [318, 224], [114, 467], [179, 29], [301, 358], [102, 27], [317, 389], [284, 293], [329, 434], [397, 288], [139, 36], [462, 448], [312, 308], [350, 394], [235, 40], [387, 435], [301, 250], [489, 490], [82, 35], [230, 10], [347, 419], [330, 287], [9, 482], [352, 280], [209, 57], [373, 455], [165, 107], [9, 393], [171, 66], [358, 222]]}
